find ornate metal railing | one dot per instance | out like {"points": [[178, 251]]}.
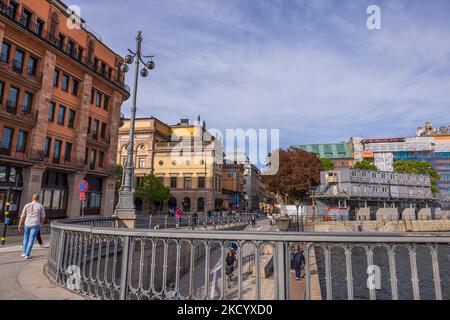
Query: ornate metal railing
{"points": [[93, 258]]}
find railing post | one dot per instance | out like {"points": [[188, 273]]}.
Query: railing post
{"points": [[124, 269], [281, 271]]}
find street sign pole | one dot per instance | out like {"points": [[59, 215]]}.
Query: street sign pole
{"points": [[6, 218], [82, 187]]}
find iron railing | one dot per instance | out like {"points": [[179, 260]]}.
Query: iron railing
{"points": [[94, 258]]}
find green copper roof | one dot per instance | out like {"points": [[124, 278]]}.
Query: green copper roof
{"points": [[330, 150]]}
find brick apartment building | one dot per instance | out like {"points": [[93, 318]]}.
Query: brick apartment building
{"points": [[61, 91]]}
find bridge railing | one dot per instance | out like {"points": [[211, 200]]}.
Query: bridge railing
{"points": [[117, 263]]}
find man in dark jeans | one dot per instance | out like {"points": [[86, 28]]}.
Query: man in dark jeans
{"points": [[39, 239], [299, 261]]}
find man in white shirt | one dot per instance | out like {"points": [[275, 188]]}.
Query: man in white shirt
{"points": [[33, 216]]}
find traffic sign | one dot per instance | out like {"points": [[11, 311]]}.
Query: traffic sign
{"points": [[82, 186], [82, 196]]}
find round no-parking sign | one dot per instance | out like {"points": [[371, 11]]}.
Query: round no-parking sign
{"points": [[82, 186]]}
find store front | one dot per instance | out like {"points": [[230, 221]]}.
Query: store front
{"points": [[94, 196], [54, 194], [10, 182]]}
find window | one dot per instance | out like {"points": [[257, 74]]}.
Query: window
{"points": [[57, 151], [101, 158], [98, 99], [7, 137], [27, 102], [25, 19], [173, 182], [12, 9], [2, 86], [141, 162], [95, 130], [71, 122], [22, 141], [51, 114], [95, 200], [201, 182], [69, 48], [92, 96], [187, 182], [61, 40], [6, 49], [68, 152], [93, 159], [65, 83], [106, 103], [75, 85], [80, 53], [61, 115], [103, 130], [13, 97], [86, 156], [18, 61], [230, 173], [89, 125], [32, 65], [47, 146], [39, 26], [56, 78]]}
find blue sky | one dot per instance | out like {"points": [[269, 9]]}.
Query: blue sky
{"points": [[310, 68]]}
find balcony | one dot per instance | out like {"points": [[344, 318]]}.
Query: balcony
{"points": [[17, 69], [23, 114], [99, 140], [35, 30]]}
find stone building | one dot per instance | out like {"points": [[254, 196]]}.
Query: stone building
{"points": [[61, 91], [233, 186], [185, 157]]}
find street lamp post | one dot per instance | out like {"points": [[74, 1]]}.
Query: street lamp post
{"points": [[126, 209]]}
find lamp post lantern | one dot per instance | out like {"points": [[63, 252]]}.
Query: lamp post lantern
{"points": [[126, 209]]}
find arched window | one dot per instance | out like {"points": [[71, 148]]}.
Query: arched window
{"points": [[201, 205], [186, 204]]}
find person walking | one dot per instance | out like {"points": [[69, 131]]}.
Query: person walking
{"points": [[299, 261], [32, 217], [253, 219], [178, 217], [194, 220]]}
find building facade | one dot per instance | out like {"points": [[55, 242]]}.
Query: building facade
{"points": [[233, 186], [339, 153], [185, 157], [61, 91], [352, 192], [429, 144]]}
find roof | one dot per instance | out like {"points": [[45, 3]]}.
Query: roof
{"points": [[329, 150]]}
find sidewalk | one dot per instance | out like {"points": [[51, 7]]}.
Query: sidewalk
{"points": [[25, 279]]}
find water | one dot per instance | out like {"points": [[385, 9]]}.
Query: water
{"points": [[403, 267]]}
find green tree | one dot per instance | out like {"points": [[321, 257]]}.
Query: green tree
{"points": [[419, 167], [365, 165], [327, 164], [152, 190]]}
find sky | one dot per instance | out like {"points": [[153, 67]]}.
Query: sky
{"points": [[310, 68]]}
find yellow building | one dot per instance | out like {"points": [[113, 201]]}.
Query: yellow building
{"points": [[185, 157]]}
